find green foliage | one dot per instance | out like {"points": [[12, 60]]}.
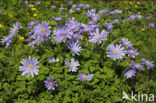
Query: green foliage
{"points": [[108, 81]]}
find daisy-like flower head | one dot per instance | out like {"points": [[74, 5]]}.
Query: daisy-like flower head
{"points": [[53, 60], [95, 17], [57, 19], [15, 28], [63, 33], [102, 11], [115, 21], [72, 65], [86, 28], [87, 6], [73, 25], [109, 26], [98, 37], [53, 7], [7, 40], [129, 73], [43, 29], [151, 25], [80, 5], [136, 66], [75, 48], [32, 24], [116, 12], [29, 66], [148, 63], [132, 52], [115, 52], [50, 83], [84, 77], [125, 42]]}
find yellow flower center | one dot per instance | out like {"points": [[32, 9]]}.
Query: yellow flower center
{"points": [[30, 66], [72, 27], [73, 11], [109, 27], [131, 51], [6, 39], [115, 52], [64, 33], [125, 43], [33, 42], [71, 65], [98, 37], [73, 49], [129, 71], [75, 36], [72, 22], [43, 30], [136, 66], [86, 29], [15, 29], [50, 83], [147, 63], [85, 77]]}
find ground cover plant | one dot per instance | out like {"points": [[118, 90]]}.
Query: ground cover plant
{"points": [[76, 52]]}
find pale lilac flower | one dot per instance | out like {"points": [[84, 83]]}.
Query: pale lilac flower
{"points": [[125, 42], [78, 9], [15, 28], [80, 5], [32, 24], [109, 26], [57, 19], [53, 60], [148, 18], [53, 7], [29, 66], [136, 65], [151, 25], [87, 6], [129, 73], [84, 77], [132, 52], [148, 63], [115, 21], [74, 6], [37, 3], [116, 52], [98, 37], [72, 65], [7, 40], [102, 11], [50, 83], [75, 48]]}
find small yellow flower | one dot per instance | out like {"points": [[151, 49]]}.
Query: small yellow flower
{"points": [[33, 9], [138, 2], [31, 5], [1, 26], [142, 29], [28, 13], [73, 11], [130, 2], [21, 38], [121, 10], [35, 15], [126, 8], [139, 13], [10, 15], [136, 6]]}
